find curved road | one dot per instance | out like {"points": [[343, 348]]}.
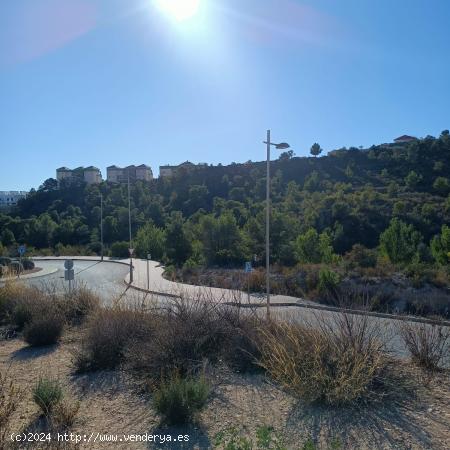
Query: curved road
{"points": [[103, 278]]}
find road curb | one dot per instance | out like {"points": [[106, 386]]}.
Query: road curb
{"points": [[357, 312], [75, 258]]}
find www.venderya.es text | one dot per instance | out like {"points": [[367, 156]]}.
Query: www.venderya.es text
{"points": [[98, 437]]}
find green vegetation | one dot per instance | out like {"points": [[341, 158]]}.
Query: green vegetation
{"points": [[47, 394], [385, 209], [266, 439], [179, 400]]}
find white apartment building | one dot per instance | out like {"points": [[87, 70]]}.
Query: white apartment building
{"points": [[91, 174], [120, 175], [10, 198]]}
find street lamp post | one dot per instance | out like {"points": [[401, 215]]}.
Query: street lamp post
{"points": [[281, 146], [149, 257], [101, 224], [129, 228]]}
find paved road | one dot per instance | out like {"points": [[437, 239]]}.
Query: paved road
{"points": [[104, 278]]}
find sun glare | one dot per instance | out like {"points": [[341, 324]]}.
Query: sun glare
{"points": [[179, 10]]}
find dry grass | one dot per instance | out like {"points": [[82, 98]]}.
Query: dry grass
{"points": [[108, 334], [193, 332], [341, 360], [428, 345], [10, 397]]}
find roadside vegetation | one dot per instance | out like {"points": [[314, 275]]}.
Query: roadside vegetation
{"points": [[174, 354], [374, 219]]}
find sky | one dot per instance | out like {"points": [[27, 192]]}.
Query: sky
{"points": [[102, 82]]}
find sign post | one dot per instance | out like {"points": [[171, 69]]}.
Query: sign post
{"points": [[149, 257], [21, 250], [131, 250], [248, 271], [69, 273]]}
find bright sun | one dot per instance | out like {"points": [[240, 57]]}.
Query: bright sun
{"points": [[180, 10]]}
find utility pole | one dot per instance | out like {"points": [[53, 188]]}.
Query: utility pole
{"points": [[268, 226], [129, 228], [281, 146], [101, 223]]}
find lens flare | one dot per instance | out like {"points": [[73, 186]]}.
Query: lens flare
{"points": [[180, 10]]}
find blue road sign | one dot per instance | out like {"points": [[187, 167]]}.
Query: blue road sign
{"points": [[22, 249], [248, 267]]}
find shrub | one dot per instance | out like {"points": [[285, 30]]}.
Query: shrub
{"points": [[16, 267], [64, 413], [105, 341], [47, 394], [18, 303], [120, 250], [79, 304], [5, 261], [337, 361], [10, 397], [27, 264], [44, 330], [193, 331], [179, 400], [360, 256], [266, 438], [428, 345], [328, 283]]}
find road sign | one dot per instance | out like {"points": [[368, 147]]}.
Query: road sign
{"points": [[68, 264], [248, 267], [131, 250], [149, 256], [69, 275], [22, 249]]}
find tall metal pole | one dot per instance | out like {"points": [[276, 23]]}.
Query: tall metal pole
{"points": [[129, 227], [101, 223], [148, 271], [268, 226]]}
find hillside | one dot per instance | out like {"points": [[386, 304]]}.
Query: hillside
{"points": [[351, 194]]}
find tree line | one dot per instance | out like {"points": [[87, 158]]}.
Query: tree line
{"points": [[390, 198]]}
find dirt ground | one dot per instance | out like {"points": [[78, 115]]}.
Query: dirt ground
{"points": [[112, 403]]}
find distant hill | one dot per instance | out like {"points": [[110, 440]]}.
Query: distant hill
{"points": [[350, 194]]}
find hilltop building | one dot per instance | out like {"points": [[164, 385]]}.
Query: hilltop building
{"points": [[91, 174], [116, 174], [168, 171], [10, 198], [405, 139]]}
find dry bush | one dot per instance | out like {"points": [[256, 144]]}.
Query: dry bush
{"points": [[179, 400], [339, 359], [10, 397], [428, 345], [107, 336], [16, 300], [44, 329], [191, 332], [79, 304], [64, 414]]}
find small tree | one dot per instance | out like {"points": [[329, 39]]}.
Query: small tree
{"points": [[413, 179], [311, 247], [399, 242], [150, 239], [7, 237], [316, 149], [286, 156], [440, 246], [442, 185]]}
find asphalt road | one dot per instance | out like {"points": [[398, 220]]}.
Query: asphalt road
{"points": [[106, 279], [103, 278]]}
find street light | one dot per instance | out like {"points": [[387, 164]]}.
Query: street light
{"points": [[101, 222], [129, 228], [281, 146]]}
